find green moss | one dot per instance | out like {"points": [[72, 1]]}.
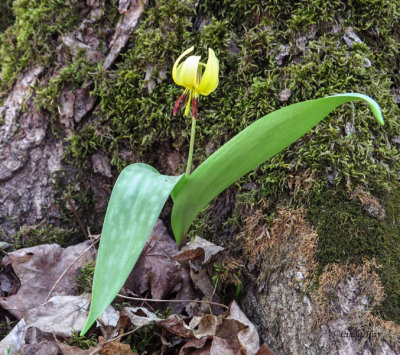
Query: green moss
{"points": [[125, 101], [77, 72], [30, 236], [348, 234], [33, 37], [134, 119], [83, 342], [84, 279]]}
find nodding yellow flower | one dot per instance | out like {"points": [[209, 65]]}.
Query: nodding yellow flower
{"points": [[197, 78]]}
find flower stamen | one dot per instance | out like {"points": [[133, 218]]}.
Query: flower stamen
{"points": [[178, 103]]}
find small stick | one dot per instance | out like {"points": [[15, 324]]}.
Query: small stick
{"points": [[66, 270], [176, 301], [212, 296], [71, 205]]}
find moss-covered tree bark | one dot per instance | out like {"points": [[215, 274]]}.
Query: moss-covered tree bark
{"points": [[313, 234]]}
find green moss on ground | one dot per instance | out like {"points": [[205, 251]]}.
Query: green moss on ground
{"points": [[84, 278], [83, 342], [30, 236]]}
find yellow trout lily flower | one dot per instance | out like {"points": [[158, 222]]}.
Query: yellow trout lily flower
{"points": [[197, 78]]}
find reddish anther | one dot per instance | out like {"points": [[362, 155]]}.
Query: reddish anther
{"points": [[178, 103]]}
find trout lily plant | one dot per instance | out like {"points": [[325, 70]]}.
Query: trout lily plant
{"points": [[141, 191]]}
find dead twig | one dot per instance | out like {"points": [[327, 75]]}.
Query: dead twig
{"points": [[69, 266], [71, 205], [167, 301]]}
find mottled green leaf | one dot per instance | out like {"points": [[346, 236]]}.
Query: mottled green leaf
{"points": [[135, 204], [246, 151]]}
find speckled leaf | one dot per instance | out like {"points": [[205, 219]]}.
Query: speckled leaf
{"points": [[246, 151], [135, 204]]}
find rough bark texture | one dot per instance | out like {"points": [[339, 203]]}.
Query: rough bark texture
{"points": [[103, 111], [30, 154], [335, 319], [27, 158]]}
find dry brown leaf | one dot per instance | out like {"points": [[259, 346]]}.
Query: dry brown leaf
{"points": [[139, 316], [46, 347], [199, 248], [247, 337], [157, 272], [62, 315], [38, 268], [116, 348], [204, 326], [230, 333], [202, 282], [234, 334], [174, 324], [197, 347], [265, 350], [211, 345], [74, 350]]}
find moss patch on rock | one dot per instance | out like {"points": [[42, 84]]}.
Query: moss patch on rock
{"points": [[347, 233], [33, 37]]}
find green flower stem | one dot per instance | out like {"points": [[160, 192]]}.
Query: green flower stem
{"points": [[192, 133]]}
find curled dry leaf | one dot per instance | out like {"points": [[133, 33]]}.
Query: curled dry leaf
{"points": [[204, 326], [193, 255], [174, 324], [140, 316], [38, 269], [248, 336], [199, 248], [208, 346], [230, 333]]}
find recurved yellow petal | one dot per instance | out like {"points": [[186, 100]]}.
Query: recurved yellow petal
{"points": [[176, 69], [209, 80], [188, 73]]}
